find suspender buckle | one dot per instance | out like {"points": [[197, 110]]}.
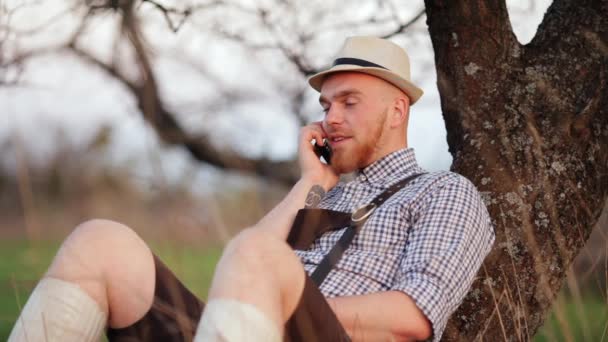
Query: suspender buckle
{"points": [[362, 213]]}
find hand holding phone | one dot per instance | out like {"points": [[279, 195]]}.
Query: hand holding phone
{"points": [[314, 167], [323, 151]]}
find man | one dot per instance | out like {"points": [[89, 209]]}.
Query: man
{"points": [[406, 271]]}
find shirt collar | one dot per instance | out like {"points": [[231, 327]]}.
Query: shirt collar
{"points": [[400, 163]]}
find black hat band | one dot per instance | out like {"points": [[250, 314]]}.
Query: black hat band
{"points": [[357, 61]]}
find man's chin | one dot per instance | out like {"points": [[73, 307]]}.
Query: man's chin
{"points": [[342, 168]]}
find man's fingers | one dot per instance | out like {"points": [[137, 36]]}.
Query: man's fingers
{"points": [[313, 132], [318, 126]]}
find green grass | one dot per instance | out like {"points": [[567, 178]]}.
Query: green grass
{"points": [[22, 263], [582, 320]]}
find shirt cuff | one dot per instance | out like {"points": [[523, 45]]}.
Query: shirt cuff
{"points": [[430, 299]]}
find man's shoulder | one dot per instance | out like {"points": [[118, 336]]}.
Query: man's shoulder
{"points": [[446, 185], [439, 179]]}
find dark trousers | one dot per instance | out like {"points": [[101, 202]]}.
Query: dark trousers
{"points": [[176, 311]]}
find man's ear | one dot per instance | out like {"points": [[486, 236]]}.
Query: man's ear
{"points": [[400, 112]]}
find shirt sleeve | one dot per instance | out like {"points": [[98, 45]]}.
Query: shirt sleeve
{"points": [[450, 236]]}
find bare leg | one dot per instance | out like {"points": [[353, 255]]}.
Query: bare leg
{"points": [[113, 265], [259, 269], [102, 265]]}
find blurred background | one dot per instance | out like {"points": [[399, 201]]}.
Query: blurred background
{"points": [[180, 119]]}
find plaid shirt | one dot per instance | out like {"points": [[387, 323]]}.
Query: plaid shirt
{"points": [[428, 240]]}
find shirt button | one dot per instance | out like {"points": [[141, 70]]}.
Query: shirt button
{"points": [[363, 178]]}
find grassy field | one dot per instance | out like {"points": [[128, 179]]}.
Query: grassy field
{"points": [[23, 262]]}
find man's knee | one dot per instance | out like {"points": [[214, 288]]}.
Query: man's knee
{"points": [[256, 247], [115, 265], [100, 232], [262, 262], [98, 245]]}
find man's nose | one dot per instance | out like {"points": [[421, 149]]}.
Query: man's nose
{"points": [[334, 116]]}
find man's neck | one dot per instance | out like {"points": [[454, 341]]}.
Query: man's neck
{"points": [[385, 153]]}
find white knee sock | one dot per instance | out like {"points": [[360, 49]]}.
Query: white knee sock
{"points": [[58, 310], [227, 320]]}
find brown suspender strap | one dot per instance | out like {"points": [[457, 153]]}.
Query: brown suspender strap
{"points": [[310, 224]]}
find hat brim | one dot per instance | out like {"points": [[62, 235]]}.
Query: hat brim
{"points": [[413, 92]]}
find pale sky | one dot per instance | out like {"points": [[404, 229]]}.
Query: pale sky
{"points": [[61, 92]]}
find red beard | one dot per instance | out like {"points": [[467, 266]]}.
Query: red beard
{"points": [[353, 153]]}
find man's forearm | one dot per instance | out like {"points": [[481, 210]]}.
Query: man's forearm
{"points": [[279, 220], [315, 175], [382, 316]]}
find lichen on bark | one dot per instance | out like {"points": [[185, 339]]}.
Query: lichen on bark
{"points": [[528, 125]]}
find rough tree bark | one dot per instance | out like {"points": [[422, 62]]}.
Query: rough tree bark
{"points": [[529, 126]]}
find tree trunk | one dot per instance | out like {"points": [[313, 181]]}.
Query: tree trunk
{"points": [[529, 126]]}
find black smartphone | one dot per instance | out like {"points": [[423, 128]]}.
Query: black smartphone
{"points": [[323, 151]]}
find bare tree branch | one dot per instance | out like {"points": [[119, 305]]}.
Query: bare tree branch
{"points": [[48, 22], [402, 27], [164, 122], [183, 14], [145, 88]]}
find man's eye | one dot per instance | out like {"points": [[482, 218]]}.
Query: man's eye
{"points": [[350, 102]]}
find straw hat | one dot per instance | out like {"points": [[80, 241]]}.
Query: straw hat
{"points": [[374, 56]]}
